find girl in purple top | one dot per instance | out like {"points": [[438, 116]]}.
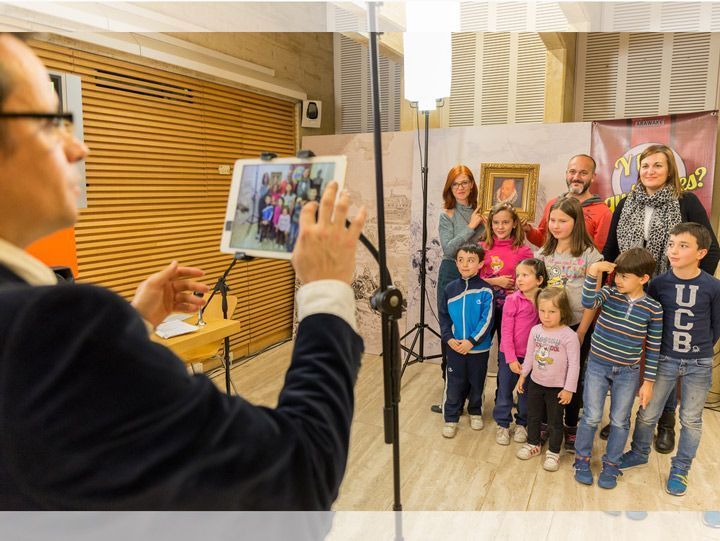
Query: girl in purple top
{"points": [[518, 317], [553, 352]]}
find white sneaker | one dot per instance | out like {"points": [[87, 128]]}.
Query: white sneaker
{"points": [[528, 451], [449, 430], [502, 436], [551, 461], [520, 435], [476, 422]]}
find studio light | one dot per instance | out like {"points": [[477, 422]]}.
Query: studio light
{"points": [[427, 51], [428, 71]]}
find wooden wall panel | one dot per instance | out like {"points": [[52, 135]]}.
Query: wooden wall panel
{"points": [[153, 187]]}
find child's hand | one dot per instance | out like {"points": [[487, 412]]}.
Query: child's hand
{"points": [[454, 344], [520, 384], [565, 397], [464, 346], [599, 267], [645, 393], [515, 367]]}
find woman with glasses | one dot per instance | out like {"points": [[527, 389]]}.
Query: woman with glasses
{"points": [[460, 222]]}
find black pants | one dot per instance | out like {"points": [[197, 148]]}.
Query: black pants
{"points": [[544, 402], [572, 410], [465, 380]]}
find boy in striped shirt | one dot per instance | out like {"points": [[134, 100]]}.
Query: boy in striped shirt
{"points": [[629, 321]]}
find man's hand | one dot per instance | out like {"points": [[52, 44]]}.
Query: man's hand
{"points": [[565, 397], [645, 393], [170, 290], [515, 367], [325, 249]]}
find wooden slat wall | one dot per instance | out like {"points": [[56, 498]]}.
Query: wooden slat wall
{"points": [[154, 191]]}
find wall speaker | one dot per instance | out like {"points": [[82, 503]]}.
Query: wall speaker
{"points": [[311, 114]]}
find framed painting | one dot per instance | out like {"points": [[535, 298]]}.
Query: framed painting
{"points": [[512, 183]]}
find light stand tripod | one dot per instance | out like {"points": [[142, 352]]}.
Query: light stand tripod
{"points": [[387, 299], [418, 330]]}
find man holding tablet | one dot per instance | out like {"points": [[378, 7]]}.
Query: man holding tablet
{"points": [[93, 414]]}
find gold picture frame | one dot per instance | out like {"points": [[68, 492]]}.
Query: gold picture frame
{"points": [[514, 183]]}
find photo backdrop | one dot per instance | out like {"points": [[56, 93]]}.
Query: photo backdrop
{"points": [[549, 145]]}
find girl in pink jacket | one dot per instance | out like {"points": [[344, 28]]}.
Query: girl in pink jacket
{"points": [[520, 315]]}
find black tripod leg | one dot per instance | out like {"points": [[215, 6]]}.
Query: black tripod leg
{"points": [[404, 336], [429, 328], [410, 353]]}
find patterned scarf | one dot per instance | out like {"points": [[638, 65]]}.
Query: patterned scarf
{"points": [[631, 226]]}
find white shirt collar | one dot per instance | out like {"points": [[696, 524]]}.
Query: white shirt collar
{"points": [[33, 271]]}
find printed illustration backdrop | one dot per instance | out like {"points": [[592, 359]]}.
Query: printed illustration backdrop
{"points": [[550, 145]]}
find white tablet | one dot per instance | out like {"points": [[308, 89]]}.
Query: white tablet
{"points": [[266, 198]]}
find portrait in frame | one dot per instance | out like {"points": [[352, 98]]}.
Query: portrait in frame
{"points": [[512, 183]]}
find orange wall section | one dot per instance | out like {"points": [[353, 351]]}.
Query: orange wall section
{"points": [[57, 249]]}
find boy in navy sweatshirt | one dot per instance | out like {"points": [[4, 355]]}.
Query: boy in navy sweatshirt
{"points": [[690, 298], [466, 314]]}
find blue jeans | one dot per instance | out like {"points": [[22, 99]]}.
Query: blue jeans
{"points": [[671, 404], [506, 381], [695, 377], [623, 384]]}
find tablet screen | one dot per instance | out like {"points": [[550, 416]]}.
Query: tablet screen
{"points": [[266, 197]]}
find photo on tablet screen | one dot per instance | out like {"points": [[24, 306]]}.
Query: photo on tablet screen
{"points": [[263, 211]]}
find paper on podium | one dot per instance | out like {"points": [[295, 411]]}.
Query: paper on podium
{"points": [[168, 329]]}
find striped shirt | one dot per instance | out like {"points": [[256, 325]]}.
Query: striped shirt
{"points": [[623, 327]]}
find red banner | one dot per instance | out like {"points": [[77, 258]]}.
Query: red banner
{"points": [[616, 146]]}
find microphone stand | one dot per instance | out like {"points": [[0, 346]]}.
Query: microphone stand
{"points": [[222, 287], [387, 299]]}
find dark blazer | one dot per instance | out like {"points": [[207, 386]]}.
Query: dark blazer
{"points": [[9, 278], [691, 210], [94, 415]]}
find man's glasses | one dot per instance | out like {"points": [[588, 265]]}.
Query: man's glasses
{"points": [[59, 123], [463, 184]]}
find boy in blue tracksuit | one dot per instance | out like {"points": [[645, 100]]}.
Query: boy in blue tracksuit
{"points": [[466, 322]]}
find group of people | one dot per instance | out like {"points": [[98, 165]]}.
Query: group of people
{"points": [[564, 338], [280, 204]]}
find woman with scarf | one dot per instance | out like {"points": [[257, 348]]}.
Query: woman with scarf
{"points": [[644, 218]]}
